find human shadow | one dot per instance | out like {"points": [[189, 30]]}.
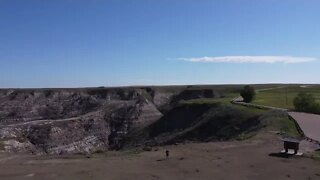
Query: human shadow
{"points": [[161, 160], [281, 155]]}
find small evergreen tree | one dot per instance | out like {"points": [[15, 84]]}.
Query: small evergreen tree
{"points": [[247, 93]]}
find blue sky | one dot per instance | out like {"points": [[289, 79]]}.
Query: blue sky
{"points": [[75, 43]]}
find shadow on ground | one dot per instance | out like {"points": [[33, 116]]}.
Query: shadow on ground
{"points": [[281, 155]]}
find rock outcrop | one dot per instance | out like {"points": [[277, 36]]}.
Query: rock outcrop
{"points": [[59, 121], [48, 121]]}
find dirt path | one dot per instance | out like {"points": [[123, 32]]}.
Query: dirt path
{"points": [[44, 121], [49, 121], [267, 89]]}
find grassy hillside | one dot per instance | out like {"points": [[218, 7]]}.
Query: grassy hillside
{"points": [[208, 120]]}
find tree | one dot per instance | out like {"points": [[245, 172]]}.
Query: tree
{"points": [[306, 103], [247, 93]]}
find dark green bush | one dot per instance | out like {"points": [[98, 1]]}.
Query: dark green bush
{"points": [[305, 102], [247, 93]]}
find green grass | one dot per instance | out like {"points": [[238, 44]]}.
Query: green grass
{"points": [[224, 100], [224, 122], [200, 101], [286, 126], [279, 121], [274, 120], [278, 97], [316, 155]]}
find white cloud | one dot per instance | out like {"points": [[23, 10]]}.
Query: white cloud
{"points": [[251, 59]]}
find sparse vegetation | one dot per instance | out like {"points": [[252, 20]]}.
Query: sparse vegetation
{"points": [[316, 155], [2, 146], [208, 101], [275, 120], [48, 93], [209, 120]]}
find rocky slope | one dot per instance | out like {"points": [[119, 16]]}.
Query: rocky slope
{"points": [[71, 120], [58, 121]]}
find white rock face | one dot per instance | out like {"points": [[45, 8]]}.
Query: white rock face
{"points": [[162, 98], [15, 146], [148, 113], [87, 145]]}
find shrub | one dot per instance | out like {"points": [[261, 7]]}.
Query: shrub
{"points": [[305, 102]]}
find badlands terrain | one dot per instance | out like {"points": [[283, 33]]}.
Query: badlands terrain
{"points": [[122, 133]]}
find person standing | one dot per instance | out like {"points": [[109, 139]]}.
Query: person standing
{"points": [[167, 153]]}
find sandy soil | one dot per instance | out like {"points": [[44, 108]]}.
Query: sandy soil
{"points": [[238, 160]]}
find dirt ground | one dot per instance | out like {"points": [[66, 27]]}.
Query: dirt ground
{"points": [[238, 160]]}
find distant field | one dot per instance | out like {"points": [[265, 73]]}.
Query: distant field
{"points": [[276, 95], [283, 96]]}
